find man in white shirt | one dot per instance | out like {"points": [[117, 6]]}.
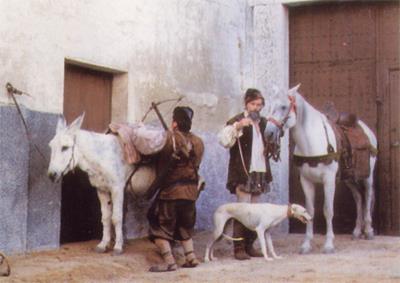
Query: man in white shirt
{"points": [[249, 171]]}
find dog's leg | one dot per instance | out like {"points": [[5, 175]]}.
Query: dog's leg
{"points": [[309, 192], [220, 220], [271, 246], [261, 237]]}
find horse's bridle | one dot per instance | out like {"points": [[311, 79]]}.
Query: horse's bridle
{"points": [[273, 150], [292, 108]]}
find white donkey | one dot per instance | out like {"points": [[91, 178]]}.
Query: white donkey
{"points": [[101, 156], [311, 134]]}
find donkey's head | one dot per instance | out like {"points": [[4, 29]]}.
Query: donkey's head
{"points": [[63, 150], [283, 114]]}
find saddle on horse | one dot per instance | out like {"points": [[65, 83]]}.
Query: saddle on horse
{"points": [[353, 144]]}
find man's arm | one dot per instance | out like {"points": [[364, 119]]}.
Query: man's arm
{"points": [[232, 131]]}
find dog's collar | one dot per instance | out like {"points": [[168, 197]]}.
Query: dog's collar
{"points": [[289, 210]]}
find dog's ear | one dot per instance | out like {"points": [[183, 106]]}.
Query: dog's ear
{"points": [[291, 208]]}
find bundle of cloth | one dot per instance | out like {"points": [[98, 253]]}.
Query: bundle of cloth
{"points": [[138, 139]]}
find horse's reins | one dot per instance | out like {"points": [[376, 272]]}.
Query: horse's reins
{"points": [[241, 157], [292, 108], [275, 153]]}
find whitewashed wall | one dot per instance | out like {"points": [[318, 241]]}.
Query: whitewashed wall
{"points": [[209, 51]]}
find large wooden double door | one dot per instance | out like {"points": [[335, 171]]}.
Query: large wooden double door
{"points": [[348, 53]]}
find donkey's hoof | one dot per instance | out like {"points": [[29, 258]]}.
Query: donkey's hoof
{"points": [[329, 250], [356, 236], [117, 252], [100, 250]]}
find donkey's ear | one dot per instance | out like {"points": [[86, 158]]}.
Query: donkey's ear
{"points": [[294, 90], [76, 125], [61, 124]]}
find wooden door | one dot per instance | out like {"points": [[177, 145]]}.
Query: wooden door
{"points": [[334, 54], [388, 197], [90, 92]]}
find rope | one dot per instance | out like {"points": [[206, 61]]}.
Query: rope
{"points": [[11, 90]]}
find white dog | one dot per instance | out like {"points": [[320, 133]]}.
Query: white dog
{"points": [[259, 217]]}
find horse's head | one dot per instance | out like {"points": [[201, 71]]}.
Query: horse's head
{"points": [[282, 115], [63, 150]]}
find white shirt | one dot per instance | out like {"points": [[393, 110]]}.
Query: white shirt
{"points": [[229, 134]]}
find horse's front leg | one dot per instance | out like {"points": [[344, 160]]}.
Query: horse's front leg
{"points": [[117, 196], [358, 200], [329, 194], [106, 208], [309, 193], [368, 206]]}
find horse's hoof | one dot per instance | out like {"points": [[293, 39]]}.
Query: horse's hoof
{"points": [[100, 250], [329, 250], [304, 251], [117, 252], [369, 236], [356, 236]]}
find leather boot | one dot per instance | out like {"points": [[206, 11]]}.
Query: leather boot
{"points": [[250, 237], [239, 246]]}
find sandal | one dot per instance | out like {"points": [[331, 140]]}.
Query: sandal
{"points": [[164, 267], [191, 263]]}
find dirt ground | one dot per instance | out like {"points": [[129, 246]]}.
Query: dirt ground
{"points": [[364, 261]]}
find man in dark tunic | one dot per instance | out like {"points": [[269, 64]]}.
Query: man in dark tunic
{"points": [[173, 213], [249, 171]]}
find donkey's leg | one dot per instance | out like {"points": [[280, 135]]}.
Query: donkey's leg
{"points": [[117, 213], [106, 207], [329, 194], [358, 199], [309, 192], [368, 207]]}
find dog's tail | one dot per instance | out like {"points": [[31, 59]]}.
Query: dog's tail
{"points": [[231, 238]]}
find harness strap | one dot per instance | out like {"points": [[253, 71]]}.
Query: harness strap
{"points": [[313, 161]]}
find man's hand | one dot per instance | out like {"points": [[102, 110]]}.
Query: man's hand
{"points": [[245, 122]]}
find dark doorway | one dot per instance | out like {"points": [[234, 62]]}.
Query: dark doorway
{"points": [[80, 209], [86, 91], [348, 53]]}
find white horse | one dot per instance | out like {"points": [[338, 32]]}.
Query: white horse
{"points": [[101, 156], [311, 132]]}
